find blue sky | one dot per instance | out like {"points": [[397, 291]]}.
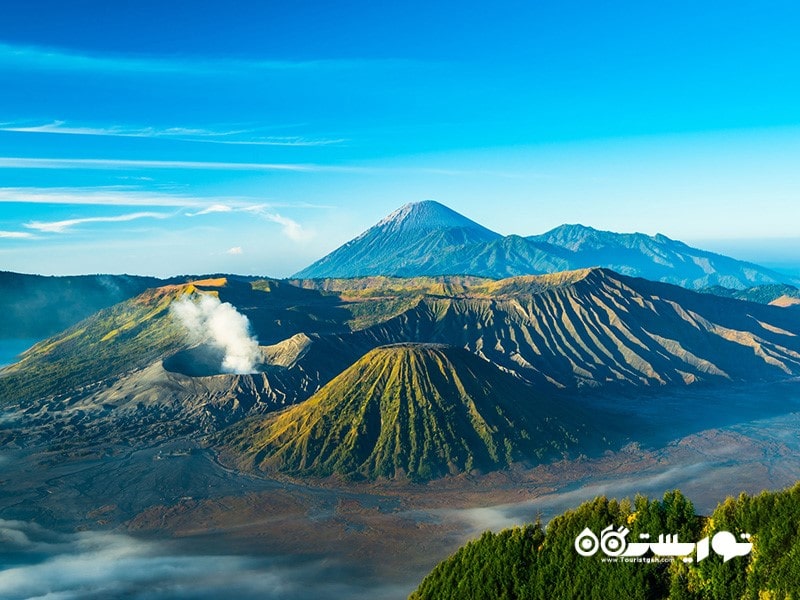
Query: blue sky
{"points": [[253, 137]]}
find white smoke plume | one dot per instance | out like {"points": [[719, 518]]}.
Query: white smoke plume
{"points": [[219, 323]]}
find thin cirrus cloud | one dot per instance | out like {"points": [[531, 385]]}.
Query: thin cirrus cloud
{"points": [[120, 196], [187, 134], [289, 227], [9, 162], [68, 224], [24, 162], [17, 235], [99, 195], [131, 196], [37, 57], [214, 208]]}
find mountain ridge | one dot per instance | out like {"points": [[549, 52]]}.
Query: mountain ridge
{"points": [[594, 327], [134, 367], [567, 329], [429, 239]]}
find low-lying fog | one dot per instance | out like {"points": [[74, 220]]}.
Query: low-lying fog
{"points": [[42, 564]]}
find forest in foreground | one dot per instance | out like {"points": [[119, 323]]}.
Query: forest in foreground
{"points": [[537, 562]]}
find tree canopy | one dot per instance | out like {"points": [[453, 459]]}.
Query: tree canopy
{"points": [[534, 562]]}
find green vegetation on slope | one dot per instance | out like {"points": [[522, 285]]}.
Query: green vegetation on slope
{"points": [[337, 305], [420, 411], [134, 333], [379, 285], [763, 294], [531, 563], [124, 337], [372, 300]]}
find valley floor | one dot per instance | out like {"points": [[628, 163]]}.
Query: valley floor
{"points": [[169, 521]]}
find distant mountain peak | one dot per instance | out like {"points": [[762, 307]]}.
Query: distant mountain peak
{"points": [[574, 228], [428, 215], [410, 239], [428, 238], [578, 230], [577, 238]]}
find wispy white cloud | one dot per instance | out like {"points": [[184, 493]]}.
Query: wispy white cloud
{"points": [[123, 197], [61, 127], [291, 229], [256, 209], [245, 137], [16, 234], [35, 57], [11, 162], [214, 208], [100, 195], [135, 178], [132, 196], [234, 251], [297, 141], [20, 162], [67, 224]]}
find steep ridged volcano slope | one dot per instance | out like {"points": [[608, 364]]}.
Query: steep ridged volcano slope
{"points": [[134, 371], [596, 327], [409, 410]]}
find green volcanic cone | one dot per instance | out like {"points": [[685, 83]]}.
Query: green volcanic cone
{"points": [[415, 410]]}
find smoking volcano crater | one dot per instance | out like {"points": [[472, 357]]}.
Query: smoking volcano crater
{"points": [[204, 360], [223, 340]]}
